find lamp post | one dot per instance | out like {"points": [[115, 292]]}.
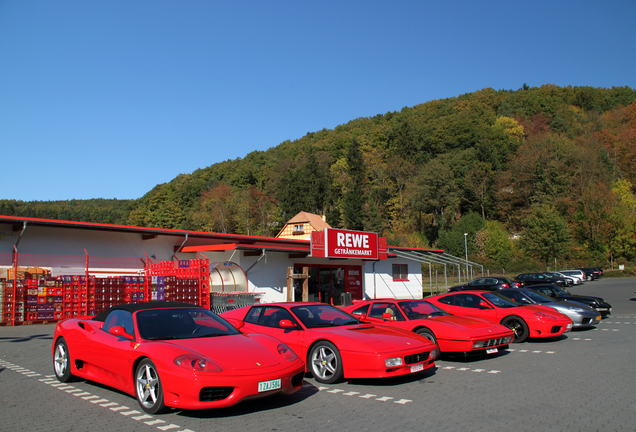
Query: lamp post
{"points": [[466, 249]]}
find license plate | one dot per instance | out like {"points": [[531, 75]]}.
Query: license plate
{"points": [[602, 309], [417, 367], [269, 385], [492, 351]]}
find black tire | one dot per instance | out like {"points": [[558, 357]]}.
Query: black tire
{"points": [[148, 388], [518, 326], [62, 361], [325, 363], [428, 334]]}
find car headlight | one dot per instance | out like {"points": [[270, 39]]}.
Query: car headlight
{"points": [[575, 309], [541, 315], [393, 362], [433, 354], [197, 363], [287, 353]]}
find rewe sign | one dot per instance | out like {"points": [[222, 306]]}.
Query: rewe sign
{"points": [[351, 244]]}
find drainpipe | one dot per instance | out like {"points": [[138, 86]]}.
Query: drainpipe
{"points": [[174, 255], [15, 272], [374, 288], [263, 255]]}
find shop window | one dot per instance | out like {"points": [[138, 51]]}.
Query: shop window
{"points": [[400, 272]]}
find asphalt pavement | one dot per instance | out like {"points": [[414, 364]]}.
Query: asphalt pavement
{"points": [[583, 381]]}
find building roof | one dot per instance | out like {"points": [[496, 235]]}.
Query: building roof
{"points": [[199, 240]]}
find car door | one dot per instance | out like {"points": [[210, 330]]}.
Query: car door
{"points": [[470, 304], [266, 320], [111, 353], [379, 310]]}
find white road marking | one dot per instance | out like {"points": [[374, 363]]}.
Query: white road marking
{"points": [[384, 398]]}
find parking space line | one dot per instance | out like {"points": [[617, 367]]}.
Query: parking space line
{"points": [[105, 403]]}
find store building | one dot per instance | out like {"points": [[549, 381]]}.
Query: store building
{"points": [[281, 269]]}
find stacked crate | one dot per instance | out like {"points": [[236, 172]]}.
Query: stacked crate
{"points": [[2, 283]]}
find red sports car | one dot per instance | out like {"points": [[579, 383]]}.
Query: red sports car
{"points": [[525, 321], [453, 334], [335, 345], [174, 355]]}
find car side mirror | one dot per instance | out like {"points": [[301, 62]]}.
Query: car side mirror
{"points": [[483, 305], [238, 324], [387, 316], [361, 317], [121, 332], [287, 324]]}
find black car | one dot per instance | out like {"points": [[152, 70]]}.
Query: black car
{"points": [[487, 283], [596, 303], [591, 273], [540, 278]]}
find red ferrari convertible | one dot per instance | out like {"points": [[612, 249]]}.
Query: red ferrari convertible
{"points": [[454, 335], [525, 321], [174, 355], [335, 345]]}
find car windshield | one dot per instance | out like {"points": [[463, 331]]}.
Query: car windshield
{"points": [[539, 298], [181, 323], [322, 315], [558, 290], [499, 300], [418, 309]]}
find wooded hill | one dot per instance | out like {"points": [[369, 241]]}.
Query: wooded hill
{"points": [[542, 172]]}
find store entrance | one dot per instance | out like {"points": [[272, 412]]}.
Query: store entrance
{"points": [[328, 284]]}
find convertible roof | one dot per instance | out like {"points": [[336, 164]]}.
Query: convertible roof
{"points": [[134, 307]]}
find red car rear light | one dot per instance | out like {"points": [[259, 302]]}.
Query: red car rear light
{"points": [[505, 285]]}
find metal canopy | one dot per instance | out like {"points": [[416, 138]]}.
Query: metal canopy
{"points": [[438, 258]]}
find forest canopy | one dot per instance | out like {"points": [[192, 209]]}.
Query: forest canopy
{"points": [[537, 173]]}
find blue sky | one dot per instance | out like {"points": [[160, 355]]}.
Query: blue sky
{"points": [[106, 99]]}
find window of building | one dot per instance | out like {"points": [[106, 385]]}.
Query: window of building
{"points": [[400, 272], [299, 229]]}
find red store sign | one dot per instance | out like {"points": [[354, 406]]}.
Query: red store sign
{"points": [[337, 243]]}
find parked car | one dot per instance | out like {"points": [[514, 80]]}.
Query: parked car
{"points": [[578, 274], [334, 344], [592, 273], [525, 321], [570, 280], [174, 355], [454, 335], [539, 278], [488, 283], [581, 315], [596, 303]]}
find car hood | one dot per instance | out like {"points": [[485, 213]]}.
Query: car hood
{"points": [[235, 352], [474, 327]]}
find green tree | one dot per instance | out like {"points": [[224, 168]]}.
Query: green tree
{"points": [[546, 234], [354, 199]]}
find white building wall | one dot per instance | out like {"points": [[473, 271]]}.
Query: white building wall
{"points": [[379, 283]]}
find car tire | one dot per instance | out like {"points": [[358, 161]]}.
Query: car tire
{"points": [[325, 363], [518, 326], [62, 361], [148, 388], [428, 334]]}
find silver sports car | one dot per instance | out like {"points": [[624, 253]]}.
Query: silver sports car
{"points": [[581, 315]]}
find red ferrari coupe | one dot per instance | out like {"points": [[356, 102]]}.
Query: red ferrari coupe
{"points": [[335, 345], [454, 335], [174, 355], [525, 321]]}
